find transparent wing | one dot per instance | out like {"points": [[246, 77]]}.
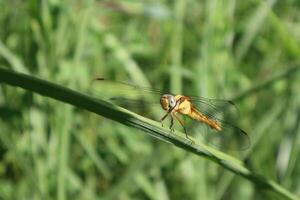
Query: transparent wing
{"points": [[217, 108], [119, 89], [142, 100]]}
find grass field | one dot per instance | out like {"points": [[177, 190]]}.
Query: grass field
{"points": [[247, 51]]}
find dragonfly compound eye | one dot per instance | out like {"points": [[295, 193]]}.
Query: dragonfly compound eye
{"points": [[172, 102], [164, 102]]}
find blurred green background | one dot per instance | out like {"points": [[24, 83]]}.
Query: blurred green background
{"points": [[243, 50]]}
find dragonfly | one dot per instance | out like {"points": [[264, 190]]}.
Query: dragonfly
{"points": [[217, 116]]}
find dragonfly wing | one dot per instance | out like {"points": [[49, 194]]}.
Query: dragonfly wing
{"points": [[230, 138], [141, 100], [124, 102], [141, 106], [217, 109], [126, 87]]}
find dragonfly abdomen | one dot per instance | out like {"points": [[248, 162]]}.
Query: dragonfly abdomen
{"points": [[195, 114]]}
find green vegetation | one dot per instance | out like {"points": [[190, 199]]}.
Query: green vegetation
{"points": [[246, 50]]}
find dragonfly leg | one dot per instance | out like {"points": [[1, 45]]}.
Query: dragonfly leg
{"points": [[163, 118], [182, 124], [172, 123]]}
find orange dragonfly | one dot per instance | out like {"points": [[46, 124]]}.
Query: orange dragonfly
{"points": [[218, 116]]}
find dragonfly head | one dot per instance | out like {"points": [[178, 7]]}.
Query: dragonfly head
{"points": [[167, 101]]}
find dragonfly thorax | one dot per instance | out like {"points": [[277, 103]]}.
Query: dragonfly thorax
{"points": [[167, 101]]}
